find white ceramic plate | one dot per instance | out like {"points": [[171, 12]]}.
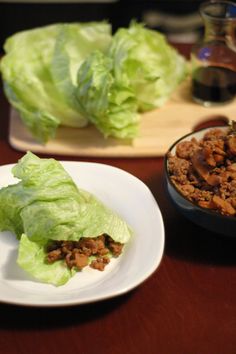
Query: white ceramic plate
{"points": [[133, 201]]}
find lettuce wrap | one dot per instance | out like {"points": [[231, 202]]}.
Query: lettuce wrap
{"points": [[46, 206]]}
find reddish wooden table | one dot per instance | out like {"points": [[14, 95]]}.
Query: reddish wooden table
{"points": [[188, 306]]}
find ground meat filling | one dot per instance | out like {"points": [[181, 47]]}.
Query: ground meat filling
{"points": [[204, 171], [76, 253]]}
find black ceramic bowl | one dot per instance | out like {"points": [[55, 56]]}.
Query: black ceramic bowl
{"points": [[206, 218]]}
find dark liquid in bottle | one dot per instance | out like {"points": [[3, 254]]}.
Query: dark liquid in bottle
{"points": [[214, 84]]}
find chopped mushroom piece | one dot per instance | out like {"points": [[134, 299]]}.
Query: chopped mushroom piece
{"points": [[232, 145]]}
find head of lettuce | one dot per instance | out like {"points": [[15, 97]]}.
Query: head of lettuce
{"points": [[39, 72], [75, 74], [45, 206]]}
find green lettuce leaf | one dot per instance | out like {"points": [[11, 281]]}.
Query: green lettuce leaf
{"points": [[144, 60], [111, 106], [47, 205], [31, 258], [41, 180], [38, 70], [73, 45]]}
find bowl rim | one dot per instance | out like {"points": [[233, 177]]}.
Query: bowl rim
{"points": [[210, 212]]}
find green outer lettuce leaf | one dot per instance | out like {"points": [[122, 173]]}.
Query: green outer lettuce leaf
{"points": [[73, 44], [27, 81], [66, 219], [145, 61], [31, 258], [41, 123], [111, 106], [38, 72], [41, 180]]}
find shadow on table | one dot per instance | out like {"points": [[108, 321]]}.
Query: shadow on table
{"points": [[184, 239], [33, 318]]}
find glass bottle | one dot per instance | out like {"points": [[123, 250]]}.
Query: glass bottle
{"points": [[213, 59]]}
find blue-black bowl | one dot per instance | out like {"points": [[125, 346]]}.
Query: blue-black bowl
{"points": [[206, 218]]}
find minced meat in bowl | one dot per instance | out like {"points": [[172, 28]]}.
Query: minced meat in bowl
{"points": [[201, 178]]}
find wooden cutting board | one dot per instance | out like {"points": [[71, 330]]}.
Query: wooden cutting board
{"points": [[158, 130]]}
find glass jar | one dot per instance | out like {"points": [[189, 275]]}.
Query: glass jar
{"points": [[213, 59]]}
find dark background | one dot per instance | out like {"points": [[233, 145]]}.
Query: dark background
{"points": [[19, 16]]}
